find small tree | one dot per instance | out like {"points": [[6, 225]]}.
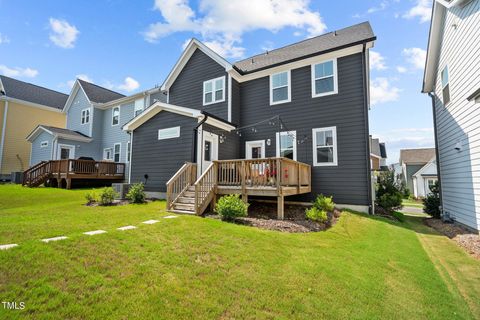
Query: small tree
{"points": [[388, 196], [431, 204]]}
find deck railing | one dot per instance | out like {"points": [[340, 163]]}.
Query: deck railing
{"points": [[205, 188], [180, 182]]}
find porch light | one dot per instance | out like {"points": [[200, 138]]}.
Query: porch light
{"points": [[269, 142]]}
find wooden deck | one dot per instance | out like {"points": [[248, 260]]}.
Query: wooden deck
{"points": [[61, 173], [270, 177]]}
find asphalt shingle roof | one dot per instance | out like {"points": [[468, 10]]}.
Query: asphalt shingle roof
{"points": [[416, 155], [32, 93], [98, 94], [324, 43]]}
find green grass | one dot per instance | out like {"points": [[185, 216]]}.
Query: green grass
{"points": [[196, 268], [412, 203]]}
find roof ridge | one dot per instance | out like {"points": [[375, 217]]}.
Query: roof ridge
{"points": [[35, 85], [99, 86]]}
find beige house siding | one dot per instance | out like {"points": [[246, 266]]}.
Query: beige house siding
{"points": [[21, 120]]}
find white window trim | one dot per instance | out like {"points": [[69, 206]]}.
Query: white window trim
{"points": [[113, 109], [176, 135], [314, 145], [448, 84], [105, 153], [44, 144], [213, 91], [284, 133], [255, 143], [128, 154], [335, 79], [138, 106], [84, 117], [119, 151], [289, 86]]}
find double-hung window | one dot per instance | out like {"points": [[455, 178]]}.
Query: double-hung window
{"points": [[214, 91], [445, 86], [280, 91], [324, 78], [116, 152], [287, 144], [115, 116], [324, 146], [85, 116], [138, 106]]}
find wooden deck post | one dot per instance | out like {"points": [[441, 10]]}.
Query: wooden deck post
{"points": [[69, 183], [280, 207]]}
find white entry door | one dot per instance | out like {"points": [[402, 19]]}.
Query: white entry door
{"points": [[65, 151], [208, 150]]}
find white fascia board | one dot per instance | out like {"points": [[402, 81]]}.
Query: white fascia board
{"points": [[31, 104], [217, 123], [36, 131], [77, 86], [433, 49]]}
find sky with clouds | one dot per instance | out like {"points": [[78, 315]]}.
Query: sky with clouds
{"points": [[130, 46]]}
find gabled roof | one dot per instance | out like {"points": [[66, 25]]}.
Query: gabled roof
{"points": [[416, 156], [335, 40], [98, 94], [188, 112], [59, 132], [29, 92], [429, 169]]}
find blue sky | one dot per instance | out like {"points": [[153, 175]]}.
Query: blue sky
{"points": [[130, 46]]}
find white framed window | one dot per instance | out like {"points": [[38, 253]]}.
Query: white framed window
{"points": [[116, 152], [324, 146], [445, 86], [129, 151], [214, 91], [138, 106], [169, 133], [107, 154], [287, 144], [43, 144], [324, 78], [280, 88], [255, 149], [85, 116], [115, 116]]}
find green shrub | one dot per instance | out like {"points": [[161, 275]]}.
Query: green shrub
{"points": [[324, 203], [399, 216], [230, 207], [316, 214], [388, 194], [431, 204], [90, 197], [136, 193], [107, 195]]}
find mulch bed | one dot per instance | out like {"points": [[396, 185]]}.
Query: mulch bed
{"points": [[115, 203], [463, 237], [264, 216]]}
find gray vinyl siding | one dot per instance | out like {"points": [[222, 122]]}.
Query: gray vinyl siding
{"points": [[187, 90], [235, 102], [347, 182], [38, 153], [411, 170], [82, 149], [230, 148], [157, 96], [74, 114], [160, 159]]}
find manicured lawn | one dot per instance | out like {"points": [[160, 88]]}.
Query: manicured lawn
{"points": [[412, 203], [196, 268]]}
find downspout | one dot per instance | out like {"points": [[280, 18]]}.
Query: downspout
{"points": [[367, 129], [4, 126], [195, 132], [437, 154]]}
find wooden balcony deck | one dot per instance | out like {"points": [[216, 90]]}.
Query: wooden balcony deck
{"points": [[271, 177]]}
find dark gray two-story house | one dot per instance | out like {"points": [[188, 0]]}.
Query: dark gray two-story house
{"points": [[291, 122]]}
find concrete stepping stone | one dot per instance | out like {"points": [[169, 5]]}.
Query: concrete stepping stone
{"points": [[91, 233], [170, 217], [126, 228], [8, 246], [150, 221], [54, 239]]}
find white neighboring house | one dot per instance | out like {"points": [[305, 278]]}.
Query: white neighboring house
{"points": [[424, 179], [452, 79]]}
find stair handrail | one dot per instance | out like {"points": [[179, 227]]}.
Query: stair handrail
{"points": [[180, 182], [205, 188], [27, 174]]}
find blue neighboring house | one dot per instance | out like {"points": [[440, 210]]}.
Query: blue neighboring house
{"points": [[95, 116]]}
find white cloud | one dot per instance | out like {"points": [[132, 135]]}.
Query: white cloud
{"points": [[4, 39], [401, 69], [222, 23], [382, 91], [406, 138], [129, 85], [422, 10], [18, 72], [377, 61], [416, 57], [382, 6], [84, 77], [62, 33]]}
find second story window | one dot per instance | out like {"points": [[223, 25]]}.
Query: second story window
{"points": [[214, 91], [138, 106], [85, 116], [115, 116], [324, 78], [280, 87], [445, 86]]}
